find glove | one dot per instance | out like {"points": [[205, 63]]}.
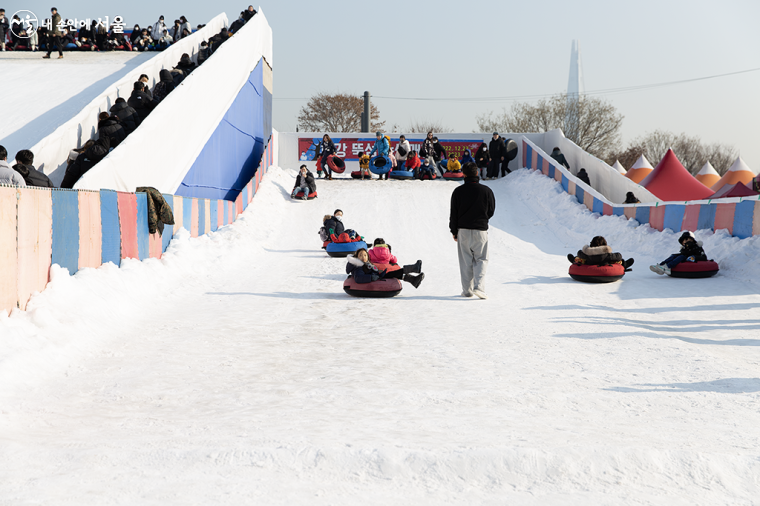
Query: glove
{"points": [[375, 277]]}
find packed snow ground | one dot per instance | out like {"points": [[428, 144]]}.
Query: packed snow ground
{"points": [[63, 87], [236, 371]]}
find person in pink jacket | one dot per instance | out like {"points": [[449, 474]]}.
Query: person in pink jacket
{"points": [[381, 253]]}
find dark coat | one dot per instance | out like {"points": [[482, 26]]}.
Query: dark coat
{"points": [[85, 161], [438, 152], [362, 272], [33, 177], [4, 28], [141, 103], [334, 226], [559, 157], [247, 15], [54, 22], [472, 205], [694, 248], [237, 25], [326, 148], [598, 255], [127, 116], [583, 176], [427, 148], [186, 65], [164, 86], [159, 212], [497, 150], [310, 182], [112, 128], [482, 157]]}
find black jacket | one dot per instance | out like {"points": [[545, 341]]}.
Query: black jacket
{"points": [[472, 205], [559, 157], [694, 248], [482, 157], [141, 103], [164, 86], [33, 177], [85, 161], [334, 226], [247, 15], [438, 152], [598, 255], [309, 181], [497, 150], [127, 116], [237, 25], [583, 176], [186, 65], [112, 128], [427, 149], [326, 148]]}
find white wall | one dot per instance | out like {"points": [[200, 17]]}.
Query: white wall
{"points": [[51, 152], [164, 148]]}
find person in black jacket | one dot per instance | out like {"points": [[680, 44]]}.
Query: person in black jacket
{"points": [[85, 161], [238, 23], [496, 148], [32, 177], [598, 253], [583, 176], [559, 157], [163, 87], [481, 159], [304, 181], [249, 13], [326, 148], [140, 102], [109, 126], [691, 251], [630, 198], [439, 153], [334, 224], [128, 117], [472, 205], [185, 64], [4, 29]]}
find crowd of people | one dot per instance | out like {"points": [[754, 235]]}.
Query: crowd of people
{"points": [[58, 34], [114, 125]]}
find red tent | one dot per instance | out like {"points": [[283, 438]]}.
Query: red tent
{"points": [[670, 181], [734, 190]]}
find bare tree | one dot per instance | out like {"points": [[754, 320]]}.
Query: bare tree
{"points": [[590, 122], [428, 125], [689, 150], [338, 112]]}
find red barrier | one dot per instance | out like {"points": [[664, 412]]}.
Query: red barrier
{"points": [[127, 203], [724, 217], [657, 217]]}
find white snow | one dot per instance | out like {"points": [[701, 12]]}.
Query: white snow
{"points": [[236, 371], [40, 95]]}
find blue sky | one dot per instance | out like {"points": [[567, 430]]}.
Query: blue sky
{"points": [[446, 49]]}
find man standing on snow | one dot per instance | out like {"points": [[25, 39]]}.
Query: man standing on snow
{"points": [[472, 205]]}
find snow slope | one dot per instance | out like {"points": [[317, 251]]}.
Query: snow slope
{"points": [[63, 88], [235, 370]]}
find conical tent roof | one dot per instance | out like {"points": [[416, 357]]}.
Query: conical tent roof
{"points": [[738, 173], [734, 190], [618, 167], [671, 181], [707, 175], [640, 170]]}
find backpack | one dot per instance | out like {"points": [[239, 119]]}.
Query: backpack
{"points": [[323, 234]]}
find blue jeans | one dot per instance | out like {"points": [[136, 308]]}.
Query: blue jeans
{"points": [[673, 260], [325, 167]]}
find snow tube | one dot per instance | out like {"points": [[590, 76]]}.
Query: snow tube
{"points": [[428, 176], [358, 175], [343, 249], [336, 164], [299, 194], [381, 288], [453, 176], [597, 273], [380, 165], [401, 174], [703, 269]]}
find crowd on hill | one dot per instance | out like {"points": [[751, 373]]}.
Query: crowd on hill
{"points": [[56, 33], [116, 124]]}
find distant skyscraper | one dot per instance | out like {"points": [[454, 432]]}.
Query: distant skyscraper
{"points": [[575, 86]]}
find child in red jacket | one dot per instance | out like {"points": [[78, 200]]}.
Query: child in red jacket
{"points": [[381, 253]]}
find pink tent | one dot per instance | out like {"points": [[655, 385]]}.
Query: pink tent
{"points": [[670, 181], [734, 190]]}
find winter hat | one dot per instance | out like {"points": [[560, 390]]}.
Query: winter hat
{"points": [[378, 241], [496, 133], [378, 134], [686, 235]]}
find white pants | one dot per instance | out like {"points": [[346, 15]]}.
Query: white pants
{"points": [[472, 247]]}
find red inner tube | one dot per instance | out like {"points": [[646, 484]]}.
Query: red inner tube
{"points": [[336, 164], [703, 269], [597, 273]]}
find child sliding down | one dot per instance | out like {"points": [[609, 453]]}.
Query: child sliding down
{"points": [[691, 251], [599, 253], [364, 271]]}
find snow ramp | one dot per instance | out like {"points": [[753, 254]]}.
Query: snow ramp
{"points": [[206, 138]]}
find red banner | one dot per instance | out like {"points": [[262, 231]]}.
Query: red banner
{"points": [[350, 148]]}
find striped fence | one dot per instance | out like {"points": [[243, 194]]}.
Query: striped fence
{"points": [[75, 229], [740, 216]]}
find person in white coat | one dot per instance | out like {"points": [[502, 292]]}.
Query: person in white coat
{"points": [[402, 150], [157, 32], [7, 174]]}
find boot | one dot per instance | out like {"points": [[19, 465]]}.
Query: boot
{"points": [[414, 280], [571, 257], [413, 268], [627, 264]]}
